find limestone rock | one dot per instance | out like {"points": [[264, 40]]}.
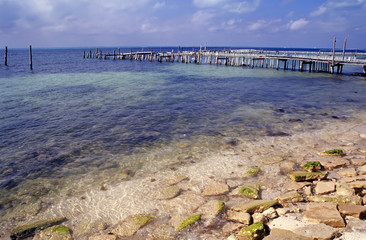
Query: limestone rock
{"points": [[185, 203], [258, 217], [176, 179], [362, 170], [335, 199], [162, 232], [332, 163], [232, 237], [103, 237], [344, 189], [312, 166], [358, 161], [270, 213], [302, 228], [254, 206], [358, 184], [58, 232], [289, 197], [130, 225], [282, 234], [357, 211], [307, 191], [324, 187], [355, 230], [256, 231], [187, 222], [210, 211], [168, 192], [240, 217], [27, 230], [300, 176], [294, 186], [333, 152], [253, 171], [215, 189], [231, 227], [250, 191], [326, 213], [347, 172]]}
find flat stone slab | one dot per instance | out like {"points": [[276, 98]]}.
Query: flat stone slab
{"points": [[58, 232], [293, 186], [358, 161], [215, 189], [103, 237], [254, 206], [167, 192], [344, 189], [324, 187], [249, 191], [210, 210], [326, 213], [304, 229], [300, 176], [130, 225], [289, 197], [361, 129], [357, 211], [331, 163], [335, 199], [358, 184], [240, 217], [355, 230], [347, 172], [176, 179], [362, 170], [231, 227], [283, 234], [186, 202]]}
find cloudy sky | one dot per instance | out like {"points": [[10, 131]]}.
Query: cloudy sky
{"points": [[257, 23]]}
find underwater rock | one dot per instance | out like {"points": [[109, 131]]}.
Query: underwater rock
{"points": [[335, 199], [256, 231], [300, 176], [216, 188], [250, 191], [130, 225], [168, 192], [254, 206], [58, 232]]}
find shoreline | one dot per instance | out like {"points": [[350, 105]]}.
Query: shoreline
{"points": [[275, 157]]}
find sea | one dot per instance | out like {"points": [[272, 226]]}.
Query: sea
{"points": [[73, 123]]}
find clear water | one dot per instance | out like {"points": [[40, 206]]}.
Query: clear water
{"points": [[71, 121]]}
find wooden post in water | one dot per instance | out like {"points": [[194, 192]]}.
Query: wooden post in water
{"points": [[332, 67], [30, 57], [84, 54], [6, 56], [344, 47]]}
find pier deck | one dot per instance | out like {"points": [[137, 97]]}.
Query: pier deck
{"points": [[294, 60]]}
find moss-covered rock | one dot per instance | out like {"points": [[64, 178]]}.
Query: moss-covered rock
{"points": [[254, 206], [250, 191], [129, 226], [335, 199], [189, 221], [300, 176], [256, 231], [312, 166], [58, 232], [333, 152], [253, 171], [27, 230]]}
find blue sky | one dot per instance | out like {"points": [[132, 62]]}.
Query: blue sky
{"points": [[257, 23]]}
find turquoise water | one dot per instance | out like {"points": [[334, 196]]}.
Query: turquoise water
{"points": [[71, 122]]}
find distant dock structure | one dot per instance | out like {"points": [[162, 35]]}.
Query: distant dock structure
{"points": [[328, 62]]}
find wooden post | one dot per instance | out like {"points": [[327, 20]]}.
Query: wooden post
{"points": [[84, 54], [205, 46], [6, 56], [332, 68], [30, 57], [114, 54], [344, 47], [364, 69]]}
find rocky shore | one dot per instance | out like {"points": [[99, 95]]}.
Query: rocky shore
{"points": [[314, 189]]}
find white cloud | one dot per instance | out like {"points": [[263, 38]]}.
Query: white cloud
{"points": [[229, 5], [332, 5], [202, 17], [298, 24], [159, 5]]}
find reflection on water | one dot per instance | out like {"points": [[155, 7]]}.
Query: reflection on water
{"points": [[61, 134]]}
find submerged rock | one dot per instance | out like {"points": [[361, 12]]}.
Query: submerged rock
{"points": [[27, 230], [168, 192], [240, 217], [58, 232], [250, 191], [335, 199], [216, 188], [187, 222], [130, 225], [312, 166], [210, 211]]}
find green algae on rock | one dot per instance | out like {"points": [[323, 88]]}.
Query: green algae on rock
{"points": [[189, 221], [27, 230], [250, 191], [129, 226], [300, 176], [253, 171], [336, 199], [256, 231], [254, 206], [312, 166], [58, 232], [333, 152]]}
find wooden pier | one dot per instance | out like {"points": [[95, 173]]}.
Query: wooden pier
{"points": [[330, 62]]}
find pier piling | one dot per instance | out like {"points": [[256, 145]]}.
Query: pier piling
{"points": [[6, 56], [30, 57]]}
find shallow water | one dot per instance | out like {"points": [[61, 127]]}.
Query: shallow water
{"points": [[73, 124]]}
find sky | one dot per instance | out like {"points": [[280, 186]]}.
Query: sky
{"points": [[248, 23]]}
